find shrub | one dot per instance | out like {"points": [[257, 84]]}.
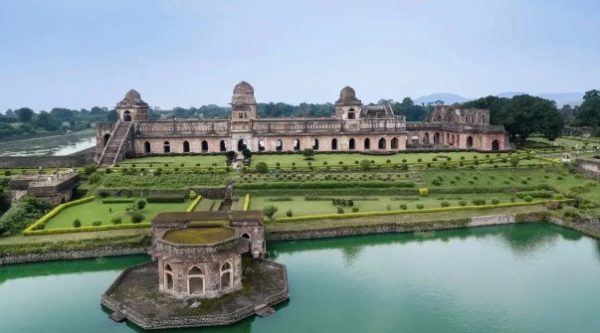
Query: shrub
{"points": [[97, 223], [340, 210], [495, 201], [288, 213], [462, 203], [445, 204], [103, 194], [424, 192], [528, 198], [76, 223], [365, 165], [21, 214], [355, 209], [117, 201], [261, 167], [420, 206], [269, 211], [166, 198], [137, 218], [403, 206], [116, 220], [478, 202], [90, 169], [141, 204], [192, 195]]}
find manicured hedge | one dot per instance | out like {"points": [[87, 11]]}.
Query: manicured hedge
{"points": [[246, 202], [419, 211], [324, 185], [31, 230], [165, 198], [194, 203], [87, 229], [117, 201]]}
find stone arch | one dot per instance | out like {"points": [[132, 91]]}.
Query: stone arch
{"points": [[127, 116], [186, 146], [351, 114], [394, 143], [106, 138], [296, 144], [367, 144], [469, 141], [316, 144], [226, 275], [204, 145], [241, 145], [351, 144], [261, 145], [279, 145], [246, 235], [426, 138], [334, 145], [147, 148], [222, 146], [436, 138], [195, 281], [169, 282], [166, 147], [495, 145], [382, 144]]}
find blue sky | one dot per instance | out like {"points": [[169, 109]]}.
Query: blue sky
{"points": [[182, 53]]}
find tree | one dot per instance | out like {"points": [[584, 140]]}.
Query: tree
{"points": [[24, 114], [230, 155], [494, 104], [269, 211], [62, 114], [45, 121], [588, 113], [262, 167], [247, 153], [365, 165], [523, 115], [308, 153], [112, 116], [141, 204]]}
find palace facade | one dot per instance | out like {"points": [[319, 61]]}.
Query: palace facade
{"points": [[354, 127]]}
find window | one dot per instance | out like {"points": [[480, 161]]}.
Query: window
{"points": [[186, 147], [226, 275], [367, 144], [351, 144], [222, 146], [351, 115], [195, 281], [382, 143], [168, 277], [495, 145], [469, 142], [296, 145], [394, 144], [204, 146], [147, 149], [316, 145], [334, 144], [166, 147]]}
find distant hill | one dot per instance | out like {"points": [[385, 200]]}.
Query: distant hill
{"points": [[445, 97]]}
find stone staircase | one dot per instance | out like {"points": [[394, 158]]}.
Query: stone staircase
{"points": [[112, 150]]}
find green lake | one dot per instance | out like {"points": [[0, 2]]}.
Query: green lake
{"points": [[519, 278]]}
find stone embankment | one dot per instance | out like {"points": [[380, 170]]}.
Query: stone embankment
{"points": [[70, 255]]}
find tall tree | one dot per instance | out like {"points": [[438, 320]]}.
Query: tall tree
{"points": [[588, 113], [524, 115], [24, 114], [493, 103]]}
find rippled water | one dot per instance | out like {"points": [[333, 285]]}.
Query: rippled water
{"points": [[521, 278], [59, 145]]}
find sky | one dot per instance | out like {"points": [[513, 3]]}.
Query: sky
{"points": [[79, 54]]}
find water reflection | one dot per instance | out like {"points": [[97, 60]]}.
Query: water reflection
{"points": [[58, 145]]}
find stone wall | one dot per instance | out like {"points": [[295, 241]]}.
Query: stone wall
{"points": [[26, 162], [69, 255]]}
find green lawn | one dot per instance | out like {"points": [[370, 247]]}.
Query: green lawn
{"points": [[97, 211], [349, 159], [176, 161], [208, 205], [568, 142], [300, 206]]}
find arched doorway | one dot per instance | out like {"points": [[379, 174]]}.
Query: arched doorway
{"points": [[106, 138], [367, 144], [204, 146], [241, 144], [394, 143], [334, 144], [296, 144], [147, 148], [127, 116], [469, 142], [436, 138], [186, 147], [168, 283], [261, 145], [382, 143], [195, 281], [351, 144], [316, 145], [426, 138], [166, 147], [221, 146], [226, 275], [279, 145], [495, 145]]}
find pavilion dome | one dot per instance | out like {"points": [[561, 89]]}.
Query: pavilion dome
{"points": [[132, 99], [243, 93], [348, 96]]}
